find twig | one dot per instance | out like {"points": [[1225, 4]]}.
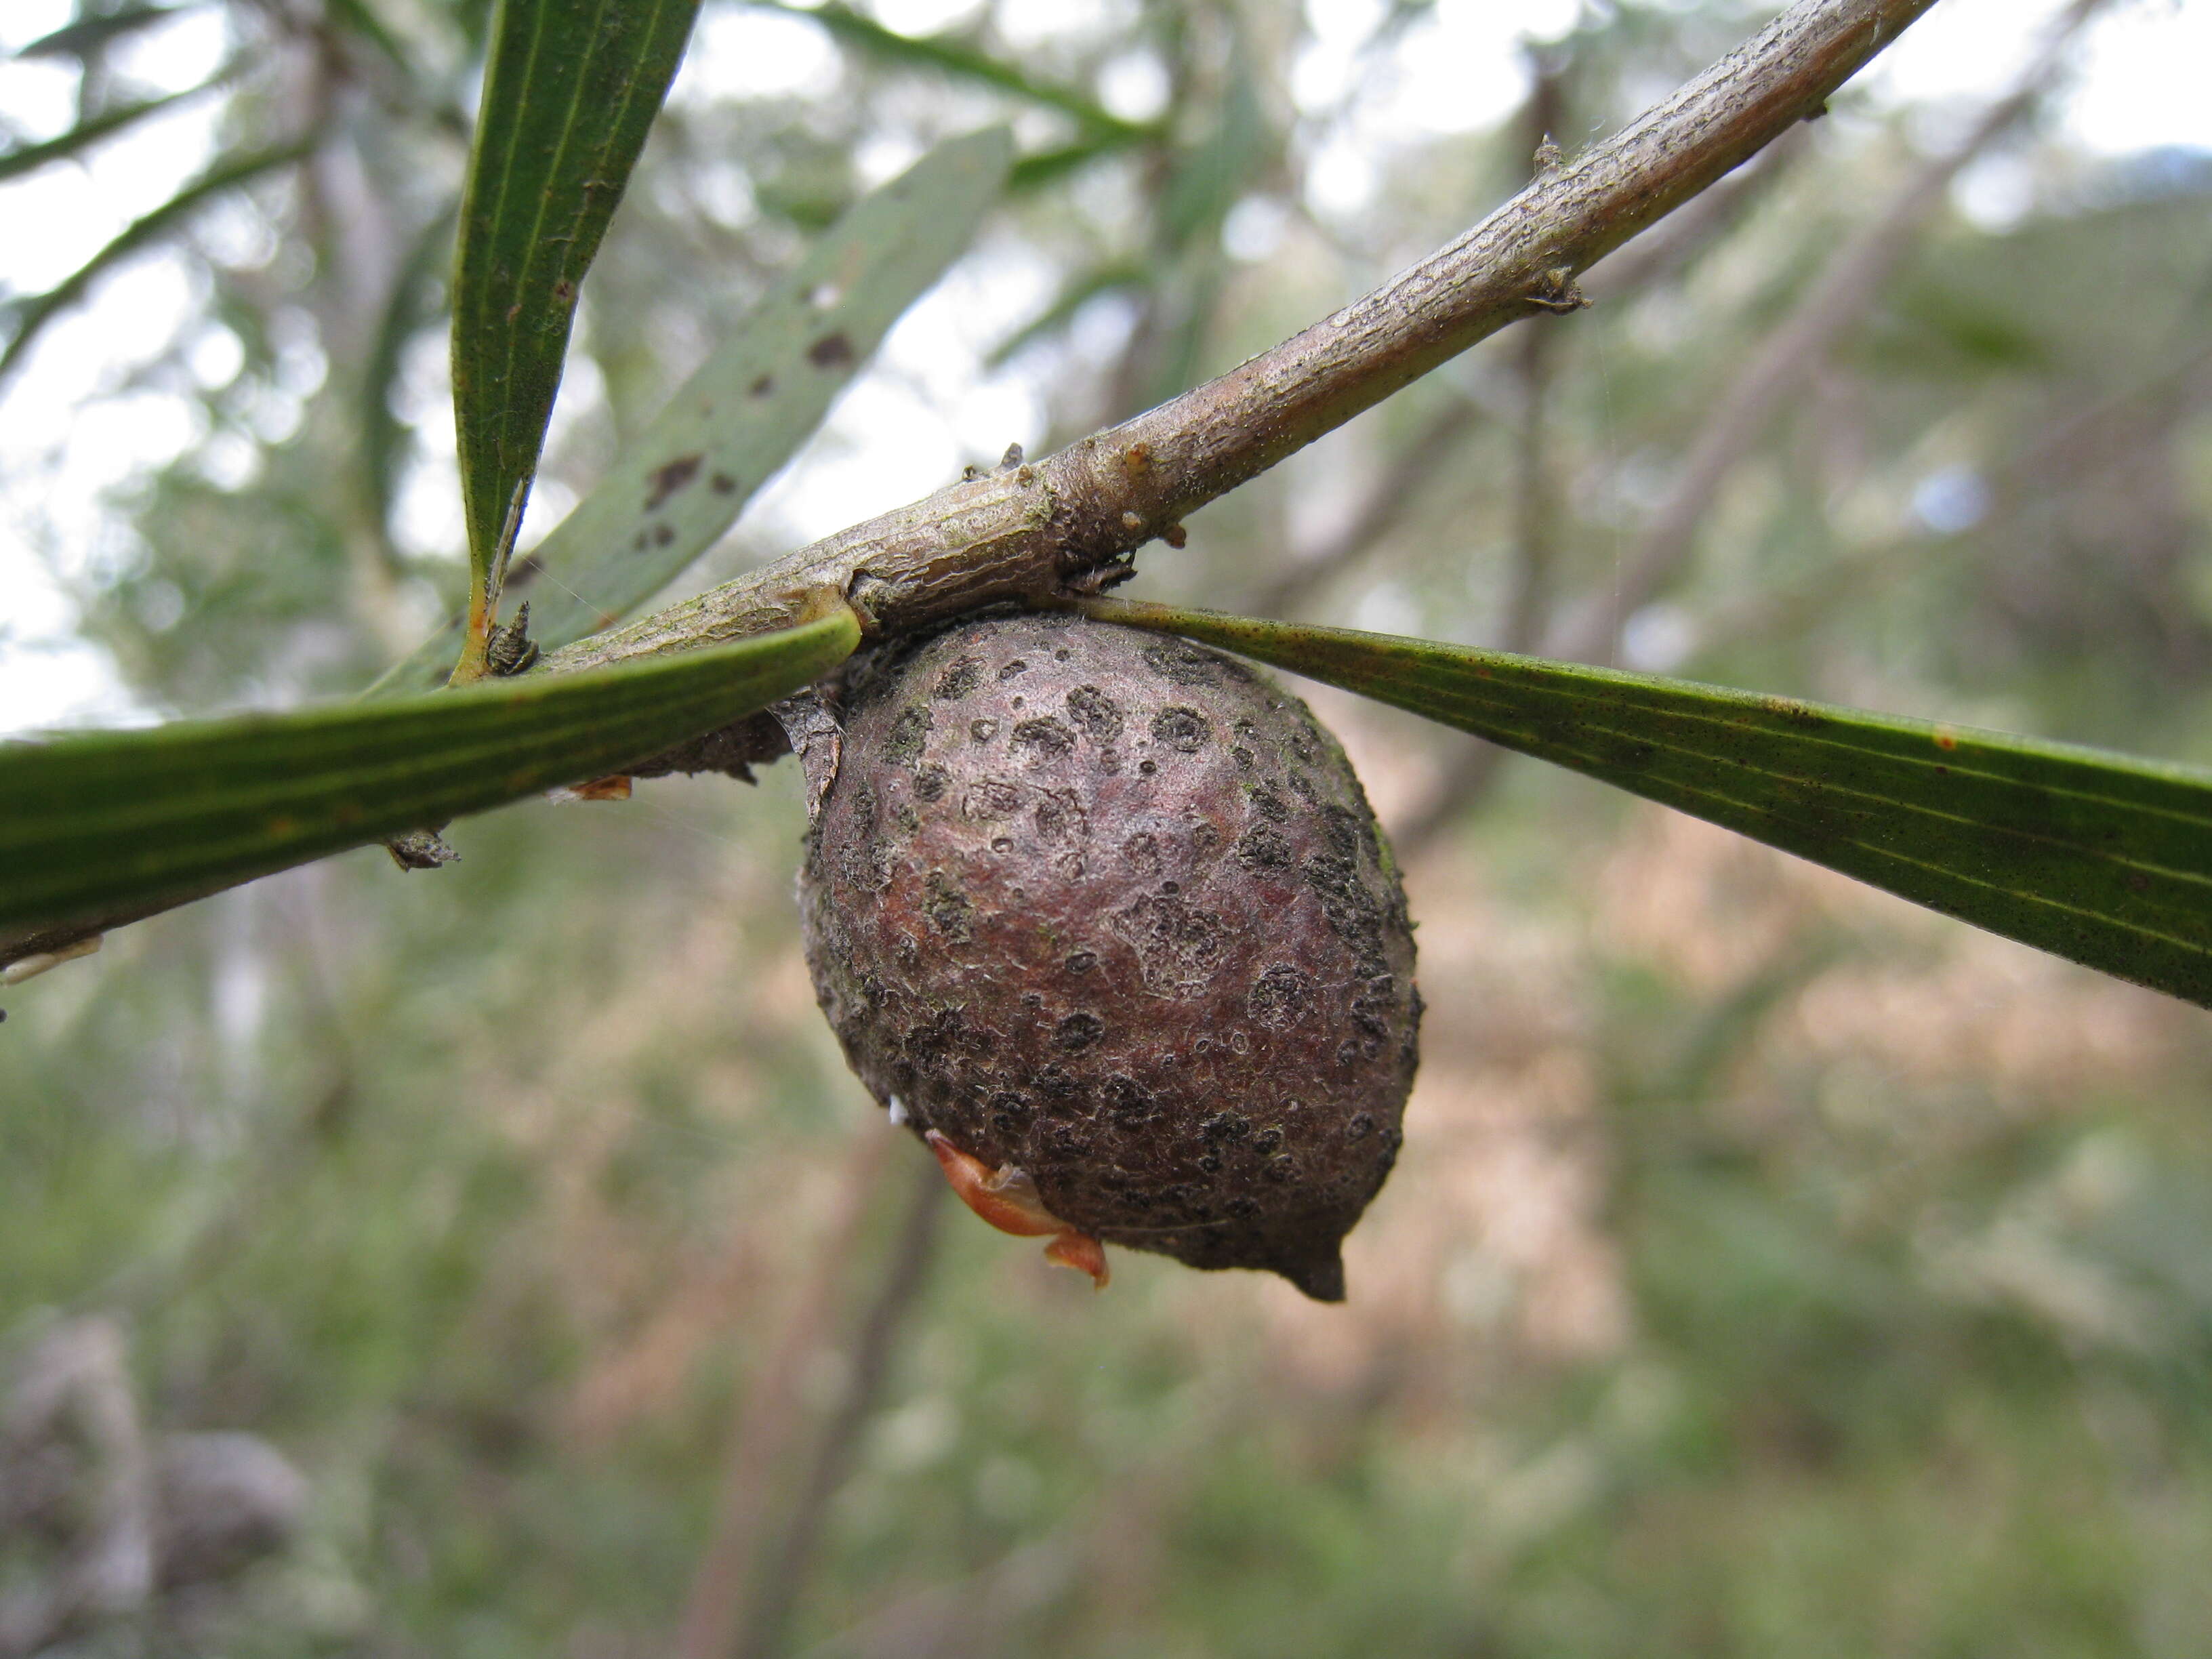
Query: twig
{"points": [[1070, 524]]}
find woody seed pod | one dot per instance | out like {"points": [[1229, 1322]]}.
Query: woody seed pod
{"points": [[1111, 908]]}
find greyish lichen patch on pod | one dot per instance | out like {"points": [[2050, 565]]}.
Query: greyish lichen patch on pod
{"points": [[1113, 909]]}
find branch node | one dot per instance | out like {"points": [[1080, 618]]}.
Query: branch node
{"points": [[420, 849], [1088, 584], [870, 595], [1556, 292], [817, 736], [511, 650]]}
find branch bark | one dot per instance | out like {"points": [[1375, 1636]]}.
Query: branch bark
{"points": [[1069, 525]]}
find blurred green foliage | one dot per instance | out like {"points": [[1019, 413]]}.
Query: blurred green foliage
{"points": [[1771, 1269]]}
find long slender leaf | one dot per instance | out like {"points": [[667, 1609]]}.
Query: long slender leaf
{"points": [[33, 314], [755, 400], [108, 818], [1042, 168], [2103, 858], [28, 158], [1114, 277], [570, 91], [88, 35], [362, 19], [955, 58]]}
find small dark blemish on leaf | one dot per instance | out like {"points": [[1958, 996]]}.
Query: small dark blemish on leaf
{"points": [[830, 351], [667, 479]]}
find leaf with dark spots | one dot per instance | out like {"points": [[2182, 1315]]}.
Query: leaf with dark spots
{"points": [[670, 477], [756, 398]]}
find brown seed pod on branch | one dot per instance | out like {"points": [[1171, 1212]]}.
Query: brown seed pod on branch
{"points": [[1108, 913]]}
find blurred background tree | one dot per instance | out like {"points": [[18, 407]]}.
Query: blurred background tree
{"points": [[1771, 1267]]}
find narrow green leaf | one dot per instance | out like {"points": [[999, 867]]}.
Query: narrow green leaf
{"points": [[359, 17], [570, 91], [33, 314], [1042, 168], [88, 35], [1115, 277], [754, 401], [2103, 858], [28, 158], [111, 818], [955, 58]]}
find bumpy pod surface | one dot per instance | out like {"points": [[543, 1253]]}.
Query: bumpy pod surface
{"points": [[1111, 908]]}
